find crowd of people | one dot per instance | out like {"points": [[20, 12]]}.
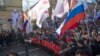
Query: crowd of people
{"points": [[12, 54], [82, 41], [5, 38]]}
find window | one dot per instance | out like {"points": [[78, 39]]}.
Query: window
{"points": [[1, 2], [98, 1], [2, 5]]}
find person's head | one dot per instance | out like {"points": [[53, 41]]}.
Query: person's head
{"points": [[0, 33], [14, 10], [98, 37], [12, 54], [86, 41], [79, 53], [86, 36], [72, 37]]}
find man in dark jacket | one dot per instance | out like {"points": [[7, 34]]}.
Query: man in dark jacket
{"points": [[84, 47]]}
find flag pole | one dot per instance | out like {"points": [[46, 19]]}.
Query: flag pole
{"points": [[26, 44], [28, 25], [90, 13]]}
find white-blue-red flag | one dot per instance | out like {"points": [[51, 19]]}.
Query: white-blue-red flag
{"points": [[25, 21], [76, 14]]}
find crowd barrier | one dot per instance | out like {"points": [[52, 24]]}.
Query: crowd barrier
{"points": [[50, 45]]}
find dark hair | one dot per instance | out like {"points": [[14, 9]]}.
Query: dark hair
{"points": [[12, 53], [79, 51], [86, 39], [81, 42]]}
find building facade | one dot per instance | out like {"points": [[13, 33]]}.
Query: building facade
{"points": [[6, 7]]}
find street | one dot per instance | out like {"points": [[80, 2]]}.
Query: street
{"points": [[20, 49]]}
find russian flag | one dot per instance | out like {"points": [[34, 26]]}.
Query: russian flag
{"points": [[25, 19], [25, 25], [76, 14]]}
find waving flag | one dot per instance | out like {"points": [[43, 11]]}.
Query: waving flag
{"points": [[58, 31], [28, 14], [66, 6], [32, 13], [85, 4], [73, 3], [43, 17], [61, 8], [25, 19], [73, 17], [25, 25], [28, 4], [42, 6], [40, 10]]}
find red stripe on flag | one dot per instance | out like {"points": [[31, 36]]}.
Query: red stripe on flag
{"points": [[74, 20], [74, 26]]}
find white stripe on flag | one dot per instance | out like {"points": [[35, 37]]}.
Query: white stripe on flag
{"points": [[58, 31]]}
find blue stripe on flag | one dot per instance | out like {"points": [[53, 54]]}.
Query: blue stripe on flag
{"points": [[74, 12]]}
